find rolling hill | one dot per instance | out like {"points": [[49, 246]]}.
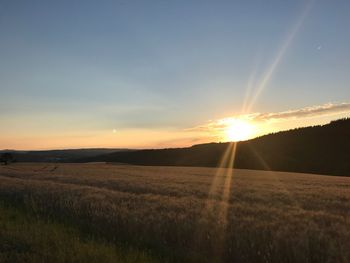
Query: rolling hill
{"points": [[58, 155], [323, 149]]}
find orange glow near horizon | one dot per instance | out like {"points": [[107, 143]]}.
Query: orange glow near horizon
{"points": [[239, 127]]}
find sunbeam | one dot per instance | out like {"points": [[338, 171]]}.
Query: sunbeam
{"points": [[217, 204], [221, 185], [228, 181], [217, 180], [279, 56], [250, 85]]}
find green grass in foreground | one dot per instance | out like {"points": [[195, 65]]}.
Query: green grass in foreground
{"points": [[25, 238]]}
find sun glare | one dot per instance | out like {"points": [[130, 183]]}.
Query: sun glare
{"points": [[239, 130]]}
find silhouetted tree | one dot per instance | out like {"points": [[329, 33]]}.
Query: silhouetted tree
{"points": [[7, 158]]}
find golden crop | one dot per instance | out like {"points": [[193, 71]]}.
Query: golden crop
{"points": [[182, 214]]}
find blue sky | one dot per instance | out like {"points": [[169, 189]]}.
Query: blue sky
{"points": [[82, 68]]}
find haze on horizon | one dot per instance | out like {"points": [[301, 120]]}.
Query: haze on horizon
{"points": [[157, 74]]}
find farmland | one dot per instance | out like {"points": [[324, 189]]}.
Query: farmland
{"points": [[26, 238], [190, 214]]}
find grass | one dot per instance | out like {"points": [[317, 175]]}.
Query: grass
{"points": [[190, 214], [26, 238]]}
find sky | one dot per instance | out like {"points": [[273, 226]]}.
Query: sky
{"points": [[140, 74]]}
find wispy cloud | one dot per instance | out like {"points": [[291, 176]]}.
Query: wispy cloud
{"points": [[313, 111], [307, 112]]}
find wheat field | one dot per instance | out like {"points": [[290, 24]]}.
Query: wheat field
{"points": [[191, 214]]}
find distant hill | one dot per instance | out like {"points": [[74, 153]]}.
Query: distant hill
{"points": [[68, 155], [318, 149]]}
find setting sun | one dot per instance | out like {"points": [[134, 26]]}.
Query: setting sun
{"points": [[239, 130]]}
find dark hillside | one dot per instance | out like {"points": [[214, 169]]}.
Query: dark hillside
{"points": [[319, 149], [59, 155]]}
